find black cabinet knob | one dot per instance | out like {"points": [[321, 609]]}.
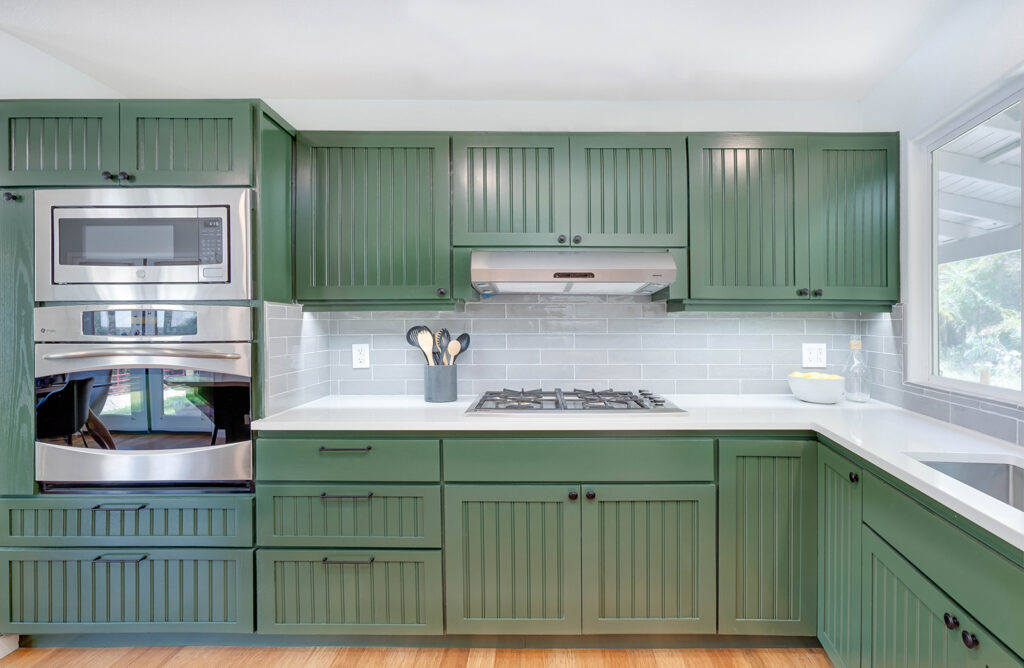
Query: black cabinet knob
{"points": [[107, 176], [441, 292], [123, 176], [970, 640], [573, 495], [951, 621], [854, 477], [817, 292], [577, 239], [803, 292], [10, 197], [561, 238], [591, 494]]}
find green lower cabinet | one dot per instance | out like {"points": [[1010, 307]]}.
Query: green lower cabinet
{"points": [[121, 591], [839, 551], [908, 621], [648, 558], [406, 516], [767, 514], [349, 592], [512, 556]]}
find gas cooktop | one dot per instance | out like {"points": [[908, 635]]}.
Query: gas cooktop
{"points": [[559, 400]]}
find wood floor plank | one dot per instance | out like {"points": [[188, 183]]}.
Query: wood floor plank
{"points": [[405, 657]]}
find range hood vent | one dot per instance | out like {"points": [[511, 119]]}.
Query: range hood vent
{"points": [[571, 272]]}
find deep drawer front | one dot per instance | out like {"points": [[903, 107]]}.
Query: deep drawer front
{"points": [[103, 590], [349, 591], [987, 584], [348, 459], [575, 459], [349, 516], [52, 521]]}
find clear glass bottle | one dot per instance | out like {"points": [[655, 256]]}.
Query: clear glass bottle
{"points": [[856, 373]]}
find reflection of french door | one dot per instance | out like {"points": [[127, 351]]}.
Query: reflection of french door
{"points": [[140, 401]]}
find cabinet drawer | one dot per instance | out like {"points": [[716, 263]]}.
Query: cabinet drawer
{"points": [[121, 591], [349, 516], [576, 459], [349, 591], [110, 521], [348, 459]]}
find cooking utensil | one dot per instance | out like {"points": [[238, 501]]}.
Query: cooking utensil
{"points": [[454, 348], [463, 340], [444, 337], [412, 336], [426, 343]]}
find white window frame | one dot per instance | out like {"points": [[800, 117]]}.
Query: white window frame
{"points": [[920, 244]]}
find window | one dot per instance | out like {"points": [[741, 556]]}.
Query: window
{"points": [[977, 234]]}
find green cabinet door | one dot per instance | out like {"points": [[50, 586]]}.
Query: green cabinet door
{"points": [[766, 531], [648, 558], [839, 553], [126, 591], [372, 219], [748, 217], [383, 592], [854, 213], [17, 401], [186, 143], [58, 142], [512, 556], [510, 190], [628, 190]]}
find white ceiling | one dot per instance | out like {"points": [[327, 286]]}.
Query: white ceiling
{"points": [[658, 50]]}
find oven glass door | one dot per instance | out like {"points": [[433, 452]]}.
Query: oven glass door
{"points": [[140, 245], [108, 412]]}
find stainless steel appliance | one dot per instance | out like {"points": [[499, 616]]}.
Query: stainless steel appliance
{"points": [[578, 272], [640, 402], [124, 244], [143, 395]]}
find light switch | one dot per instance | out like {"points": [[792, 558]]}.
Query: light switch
{"points": [[360, 355], [815, 355]]}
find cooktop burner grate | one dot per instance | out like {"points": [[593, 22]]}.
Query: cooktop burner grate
{"points": [[559, 400]]}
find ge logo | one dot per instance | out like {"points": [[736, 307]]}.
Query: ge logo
{"points": [[141, 273]]}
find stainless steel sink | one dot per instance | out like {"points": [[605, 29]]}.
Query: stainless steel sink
{"points": [[999, 480]]}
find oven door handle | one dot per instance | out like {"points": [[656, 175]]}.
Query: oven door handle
{"points": [[143, 352]]}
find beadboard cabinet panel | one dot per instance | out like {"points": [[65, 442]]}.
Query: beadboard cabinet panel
{"points": [[649, 558], [372, 217], [510, 190], [628, 190], [58, 142], [767, 544]]}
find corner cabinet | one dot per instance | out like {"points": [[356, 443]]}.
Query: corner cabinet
{"points": [[130, 143], [372, 219]]}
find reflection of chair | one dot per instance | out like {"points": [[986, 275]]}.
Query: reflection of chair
{"points": [[63, 413], [97, 401]]}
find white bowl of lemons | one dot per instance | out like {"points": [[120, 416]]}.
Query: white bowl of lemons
{"points": [[817, 388]]}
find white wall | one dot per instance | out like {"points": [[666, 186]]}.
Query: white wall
{"points": [[31, 73]]}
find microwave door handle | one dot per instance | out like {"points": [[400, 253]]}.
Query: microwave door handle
{"points": [[143, 352]]}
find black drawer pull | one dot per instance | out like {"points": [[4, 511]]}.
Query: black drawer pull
{"points": [[328, 562], [951, 621], [325, 495], [114, 508], [326, 449], [854, 477], [970, 640], [104, 560]]}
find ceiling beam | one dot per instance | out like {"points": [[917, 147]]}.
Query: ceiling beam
{"points": [[997, 241], [979, 209], [958, 164], [1003, 123], [1002, 154]]}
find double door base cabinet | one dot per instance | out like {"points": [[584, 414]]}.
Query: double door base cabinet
{"points": [[567, 540]]}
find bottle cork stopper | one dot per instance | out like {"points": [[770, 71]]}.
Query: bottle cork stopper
{"points": [[855, 345]]}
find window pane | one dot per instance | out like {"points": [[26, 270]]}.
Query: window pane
{"points": [[978, 223]]}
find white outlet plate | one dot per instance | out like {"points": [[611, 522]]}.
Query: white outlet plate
{"points": [[360, 355], [815, 355]]}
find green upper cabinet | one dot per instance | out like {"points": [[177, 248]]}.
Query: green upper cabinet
{"points": [[766, 537], [510, 190], [628, 190], [58, 142], [187, 143], [854, 227], [135, 143], [372, 217], [748, 222], [839, 552]]}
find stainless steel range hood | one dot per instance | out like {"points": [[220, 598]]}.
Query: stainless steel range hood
{"points": [[571, 272]]}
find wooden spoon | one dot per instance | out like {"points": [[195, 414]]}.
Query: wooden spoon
{"points": [[454, 348], [426, 343]]}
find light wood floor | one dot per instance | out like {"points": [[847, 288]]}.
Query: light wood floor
{"points": [[322, 657]]}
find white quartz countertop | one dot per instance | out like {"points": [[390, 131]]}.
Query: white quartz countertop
{"points": [[893, 439]]}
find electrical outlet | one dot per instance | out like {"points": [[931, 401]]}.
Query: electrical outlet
{"points": [[815, 355], [360, 355]]}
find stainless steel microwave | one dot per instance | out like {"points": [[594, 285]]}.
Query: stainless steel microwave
{"points": [[121, 244]]}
